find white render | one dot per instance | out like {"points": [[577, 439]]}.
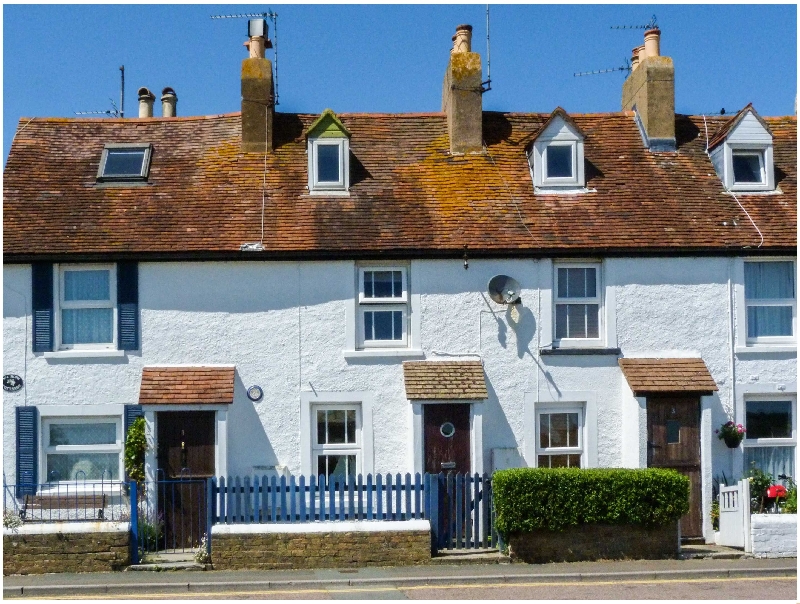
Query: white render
{"points": [[773, 535], [284, 326]]}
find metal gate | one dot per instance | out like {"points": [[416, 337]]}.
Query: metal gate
{"points": [[170, 515]]}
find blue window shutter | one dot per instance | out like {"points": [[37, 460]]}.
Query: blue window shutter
{"points": [[42, 306], [128, 305], [132, 412], [27, 450]]}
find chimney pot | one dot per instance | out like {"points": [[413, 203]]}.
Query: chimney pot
{"points": [[652, 42], [634, 59], [462, 41], [146, 100], [169, 102]]}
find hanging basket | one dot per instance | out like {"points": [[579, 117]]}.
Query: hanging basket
{"points": [[732, 442]]}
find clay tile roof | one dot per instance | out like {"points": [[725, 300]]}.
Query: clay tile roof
{"points": [[186, 385], [409, 197], [667, 375], [445, 380]]}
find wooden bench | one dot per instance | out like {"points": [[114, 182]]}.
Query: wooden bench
{"points": [[86, 506]]}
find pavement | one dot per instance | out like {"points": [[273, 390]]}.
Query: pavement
{"points": [[183, 582]]}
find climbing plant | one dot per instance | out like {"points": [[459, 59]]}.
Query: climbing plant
{"points": [[135, 448]]}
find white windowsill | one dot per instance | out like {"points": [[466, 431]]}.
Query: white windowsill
{"points": [[83, 354], [329, 193], [765, 348], [561, 190], [383, 352]]}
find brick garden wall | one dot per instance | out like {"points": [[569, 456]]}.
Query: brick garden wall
{"points": [[61, 548], [773, 535], [596, 542], [341, 545]]}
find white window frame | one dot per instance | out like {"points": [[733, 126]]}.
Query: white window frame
{"points": [[746, 302], [318, 449], [343, 184], [771, 442], [597, 299], [764, 152], [382, 304], [551, 409], [59, 304], [145, 168], [48, 449]]}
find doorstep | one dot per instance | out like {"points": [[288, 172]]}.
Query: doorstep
{"points": [[473, 556], [709, 550]]}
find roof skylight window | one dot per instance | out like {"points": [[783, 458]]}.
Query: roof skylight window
{"points": [[124, 162]]}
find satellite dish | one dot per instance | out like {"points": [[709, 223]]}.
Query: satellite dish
{"points": [[504, 289]]}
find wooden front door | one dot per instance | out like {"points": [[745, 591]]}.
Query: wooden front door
{"points": [[185, 454], [673, 441], [446, 439]]}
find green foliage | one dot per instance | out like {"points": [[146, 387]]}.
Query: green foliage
{"points": [[528, 499], [135, 448], [715, 514], [759, 483], [790, 507]]}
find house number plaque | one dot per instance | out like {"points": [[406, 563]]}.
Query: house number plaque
{"points": [[12, 383]]}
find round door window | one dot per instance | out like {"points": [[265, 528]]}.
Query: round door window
{"points": [[447, 429]]}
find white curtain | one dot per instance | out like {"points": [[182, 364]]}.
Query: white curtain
{"points": [[768, 281], [86, 325], [772, 460]]}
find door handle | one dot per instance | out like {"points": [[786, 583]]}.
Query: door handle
{"points": [[448, 465]]}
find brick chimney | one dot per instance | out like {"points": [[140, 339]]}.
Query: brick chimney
{"points": [[258, 100], [650, 91], [461, 95]]}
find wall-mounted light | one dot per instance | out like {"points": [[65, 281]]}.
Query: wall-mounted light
{"points": [[254, 393], [466, 259]]}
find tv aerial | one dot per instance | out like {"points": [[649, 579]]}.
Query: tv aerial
{"points": [[504, 289], [652, 24], [272, 16], [114, 111], [626, 68]]}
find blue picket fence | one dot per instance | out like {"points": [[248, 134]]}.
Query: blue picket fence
{"points": [[459, 506]]}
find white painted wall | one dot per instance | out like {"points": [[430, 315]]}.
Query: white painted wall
{"points": [[283, 325], [773, 535]]}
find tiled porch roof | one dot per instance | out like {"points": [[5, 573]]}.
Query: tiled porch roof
{"points": [[667, 375], [186, 385], [445, 380]]}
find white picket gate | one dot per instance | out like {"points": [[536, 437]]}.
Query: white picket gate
{"points": [[734, 515]]}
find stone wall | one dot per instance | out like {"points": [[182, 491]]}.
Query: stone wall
{"points": [[596, 542], [66, 547], [320, 545], [773, 535]]}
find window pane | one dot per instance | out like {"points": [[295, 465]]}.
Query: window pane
{"points": [[561, 321], [769, 280], [592, 321], [80, 466], [398, 283], [576, 320], [559, 430], [572, 433], [336, 465], [124, 162], [328, 163], [351, 426], [769, 419], [544, 430], [769, 321], [83, 434], [383, 325], [673, 431], [772, 460], [86, 285], [563, 273], [559, 161], [321, 438], [576, 283], [87, 326], [336, 427], [383, 283], [747, 167]]}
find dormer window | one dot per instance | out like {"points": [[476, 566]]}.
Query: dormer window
{"points": [[741, 152], [124, 162], [328, 156], [557, 155]]}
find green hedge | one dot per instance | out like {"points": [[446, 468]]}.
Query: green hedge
{"points": [[528, 499]]}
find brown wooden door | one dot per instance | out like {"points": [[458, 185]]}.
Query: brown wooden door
{"points": [[447, 441], [185, 454], [673, 441]]}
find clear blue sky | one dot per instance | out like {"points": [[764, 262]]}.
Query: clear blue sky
{"points": [[389, 58]]}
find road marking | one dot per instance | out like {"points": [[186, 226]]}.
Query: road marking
{"points": [[152, 595]]}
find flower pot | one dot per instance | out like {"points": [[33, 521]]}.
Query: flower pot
{"points": [[732, 441]]}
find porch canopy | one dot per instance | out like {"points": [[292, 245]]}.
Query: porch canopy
{"points": [[667, 375], [187, 385], [451, 380]]}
